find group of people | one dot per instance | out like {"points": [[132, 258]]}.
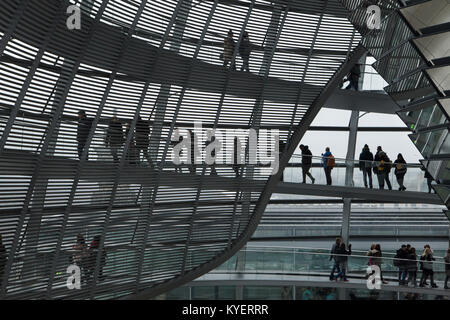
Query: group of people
{"points": [[85, 257], [380, 165], [405, 260], [116, 137], [245, 48]]}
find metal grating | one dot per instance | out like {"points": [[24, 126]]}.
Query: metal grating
{"points": [[161, 225]]}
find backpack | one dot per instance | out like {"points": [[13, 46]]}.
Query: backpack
{"points": [[331, 161]]}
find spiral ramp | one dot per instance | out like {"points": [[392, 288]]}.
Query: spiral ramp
{"points": [[412, 52], [158, 60]]}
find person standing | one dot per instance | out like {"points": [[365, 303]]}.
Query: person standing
{"points": [[383, 168], [328, 164], [342, 258], [244, 51], [411, 267], [142, 138], [114, 137], [84, 126], [228, 50], [426, 262], [447, 268], [400, 171], [306, 163], [365, 165], [402, 263], [333, 252]]}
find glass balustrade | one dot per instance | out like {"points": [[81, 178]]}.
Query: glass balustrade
{"points": [[414, 179]]}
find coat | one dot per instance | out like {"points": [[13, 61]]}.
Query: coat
{"points": [[245, 48], [365, 159], [426, 261], [325, 159], [228, 48], [142, 134], [306, 157], [375, 257], [114, 135], [400, 168], [412, 264], [84, 126]]}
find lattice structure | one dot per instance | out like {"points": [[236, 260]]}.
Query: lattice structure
{"points": [[160, 225], [412, 54]]}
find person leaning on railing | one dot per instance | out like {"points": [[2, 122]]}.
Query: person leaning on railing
{"points": [[365, 165], [426, 263]]}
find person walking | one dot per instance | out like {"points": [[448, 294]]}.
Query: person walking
{"points": [[401, 262], [114, 137], [365, 165], [342, 259], [328, 163], [383, 168], [411, 267], [353, 77], [142, 138], [429, 178], [228, 50], [426, 263], [84, 126], [306, 163], [244, 51], [400, 171], [447, 268], [333, 252]]}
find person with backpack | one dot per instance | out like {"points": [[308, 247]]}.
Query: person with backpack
{"points": [[244, 51], [400, 261], [365, 165], [400, 171], [114, 138], [328, 163], [426, 264], [228, 50], [306, 163], [383, 168]]}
